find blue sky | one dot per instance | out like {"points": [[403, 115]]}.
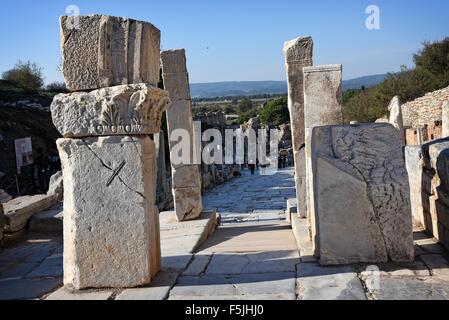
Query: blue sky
{"points": [[229, 40]]}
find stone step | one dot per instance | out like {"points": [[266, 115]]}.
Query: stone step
{"points": [[48, 221]]}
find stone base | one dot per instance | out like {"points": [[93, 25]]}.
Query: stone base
{"points": [[186, 236], [111, 223], [300, 182], [292, 209], [188, 203]]}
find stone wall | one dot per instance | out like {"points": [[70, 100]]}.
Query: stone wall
{"points": [[424, 110], [211, 119], [428, 168]]}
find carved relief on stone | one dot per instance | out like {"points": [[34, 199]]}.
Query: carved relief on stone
{"points": [[126, 109]]}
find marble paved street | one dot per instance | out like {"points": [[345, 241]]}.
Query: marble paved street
{"points": [[252, 255]]}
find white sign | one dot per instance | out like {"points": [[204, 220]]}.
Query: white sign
{"points": [[24, 153]]}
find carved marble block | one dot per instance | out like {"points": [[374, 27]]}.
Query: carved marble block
{"points": [[298, 54], [100, 51], [360, 195], [119, 110], [111, 223]]}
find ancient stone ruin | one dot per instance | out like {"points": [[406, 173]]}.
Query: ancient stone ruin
{"points": [[423, 117], [111, 223], [185, 175], [427, 167], [298, 54], [359, 195], [322, 106]]}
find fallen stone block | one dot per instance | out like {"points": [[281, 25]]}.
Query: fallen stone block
{"points": [[4, 196], [48, 221], [19, 210], [188, 203], [56, 186], [101, 51]]}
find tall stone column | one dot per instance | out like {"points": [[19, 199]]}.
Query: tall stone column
{"points": [[322, 106], [186, 177], [111, 222], [298, 54]]}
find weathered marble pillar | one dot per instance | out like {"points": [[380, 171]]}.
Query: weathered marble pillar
{"points": [[298, 54], [445, 119], [186, 176], [322, 106], [111, 222]]}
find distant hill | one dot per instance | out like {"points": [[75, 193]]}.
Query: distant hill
{"points": [[251, 88], [367, 81]]}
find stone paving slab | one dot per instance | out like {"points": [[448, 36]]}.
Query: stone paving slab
{"points": [[64, 294], [230, 287], [158, 290], [438, 265], [253, 262], [317, 282], [24, 288], [250, 237], [198, 265], [408, 288]]}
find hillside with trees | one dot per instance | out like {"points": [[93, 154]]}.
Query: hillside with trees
{"points": [[431, 73]]}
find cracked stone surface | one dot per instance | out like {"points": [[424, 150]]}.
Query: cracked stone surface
{"points": [[361, 191], [111, 233], [317, 282]]}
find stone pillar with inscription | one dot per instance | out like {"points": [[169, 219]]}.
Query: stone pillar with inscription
{"points": [[298, 54], [186, 186], [111, 222], [322, 106]]}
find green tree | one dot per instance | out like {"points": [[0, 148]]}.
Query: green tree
{"points": [[431, 73], [28, 75], [275, 112], [59, 87], [228, 109], [245, 105]]}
